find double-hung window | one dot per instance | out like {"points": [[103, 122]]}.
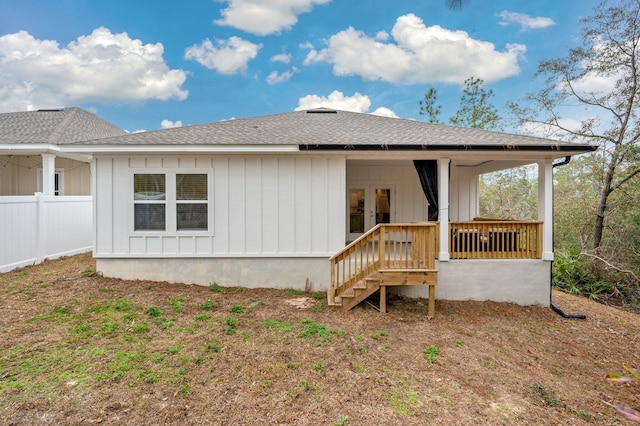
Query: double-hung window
{"points": [[150, 202], [171, 201], [191, 202]]}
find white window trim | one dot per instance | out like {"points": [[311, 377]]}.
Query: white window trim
{"points": [[170, 202]]}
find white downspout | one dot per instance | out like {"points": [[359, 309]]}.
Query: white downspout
{"points": [[545, 206]]}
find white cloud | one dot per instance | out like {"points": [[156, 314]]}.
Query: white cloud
{"points": [[526, 22], [336, 100], [285, 58], [417, 55], [100, 67], [227, 56], [263, 17], [275, 77], [385, 112], [168, 124]]}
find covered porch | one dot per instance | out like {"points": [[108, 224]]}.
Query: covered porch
{"points": [[457, 255]]}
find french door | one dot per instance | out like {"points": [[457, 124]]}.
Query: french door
{"points": [[368, 205]]}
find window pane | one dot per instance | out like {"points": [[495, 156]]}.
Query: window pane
{"points": [[191, 187], [149, 187], [356, 211], [149, 217], [192, 216]]}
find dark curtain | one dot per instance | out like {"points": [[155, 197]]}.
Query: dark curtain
{"points": [[428, 173]]}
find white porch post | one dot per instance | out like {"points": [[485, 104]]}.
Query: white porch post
{"points": [[48, 174], [443, 208], [545, 206]]}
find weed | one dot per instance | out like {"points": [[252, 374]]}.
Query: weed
{"points": [[176, 304], [458, 342], [548, 398], [157, 357], [164, 323], [294, 365], [291, 292], [174, 349], [343, 421], [82, 330], [317, 308], [232, 323], [319, 296], [238, 367], [105, 290], [123, 305], [402, 399], [313, 329], [431, 354], [141, 327], [385, 347], [378, 334], [109, 328], [213, 347], [184, 388], [235, 309], [362, 349], [207, 305], [154, 311], [318, 366], [283, 326], [359, 338], [202, 317], [61, 310], [305, 384], [216, 288], [88, 272]]}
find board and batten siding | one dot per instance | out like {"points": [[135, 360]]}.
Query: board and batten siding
{"points": [[259, 206]]}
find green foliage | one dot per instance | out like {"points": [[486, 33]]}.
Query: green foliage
{"points": [[154, 311], [176, 304], [216, 288], [431, 354], [429, 106], [475, 109], [572, 274], [235, 309], [207, 305]]}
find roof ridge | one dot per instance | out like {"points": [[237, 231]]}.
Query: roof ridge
{"points": [[61, 127]]}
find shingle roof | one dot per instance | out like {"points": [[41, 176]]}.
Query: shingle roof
{"points": [[54, 127], [323, 128]]}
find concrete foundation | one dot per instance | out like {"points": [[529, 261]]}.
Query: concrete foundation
{"points": [[525, 282], [311, 274]]}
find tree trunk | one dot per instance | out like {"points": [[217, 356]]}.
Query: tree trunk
{"points": [[598, 228]]}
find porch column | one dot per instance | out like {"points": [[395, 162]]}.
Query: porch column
{"points": [[545, 206], [48, 174], [443, 208]]}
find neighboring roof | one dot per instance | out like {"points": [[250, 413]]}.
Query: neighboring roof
{"points": [[54, 127], [331, 129]]}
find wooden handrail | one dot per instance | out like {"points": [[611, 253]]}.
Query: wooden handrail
{"points": [[385, 246], [495, 239]]}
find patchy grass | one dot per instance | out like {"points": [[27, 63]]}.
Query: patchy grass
{"points": [[78, 348]]}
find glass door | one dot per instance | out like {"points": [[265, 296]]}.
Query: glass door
{"points": [[368, 206]]}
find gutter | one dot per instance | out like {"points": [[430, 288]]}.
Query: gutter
{"points": [[555, 308]]}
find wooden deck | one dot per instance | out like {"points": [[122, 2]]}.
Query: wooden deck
{"points": [[391, 255]]}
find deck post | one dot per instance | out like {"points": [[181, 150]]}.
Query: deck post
{"points": [[443, 208], [383, 299]]}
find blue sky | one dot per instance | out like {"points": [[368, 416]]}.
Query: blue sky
{"points": [[144, 65]]}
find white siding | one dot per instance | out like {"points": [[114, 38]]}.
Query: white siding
{"points": [[260, 206]]}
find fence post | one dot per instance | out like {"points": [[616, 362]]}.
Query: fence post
{"points": [[40, 227]]}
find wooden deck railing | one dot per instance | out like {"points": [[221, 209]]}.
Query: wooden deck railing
{"points": [[495, 240], [384, 247]]}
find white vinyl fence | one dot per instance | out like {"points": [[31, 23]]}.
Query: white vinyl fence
{"points": [[39, 227]]}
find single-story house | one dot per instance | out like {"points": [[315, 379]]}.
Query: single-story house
{"points": [[45, 192], [267, 201]]}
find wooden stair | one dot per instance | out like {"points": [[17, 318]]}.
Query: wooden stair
{"points": [[388, 255]]}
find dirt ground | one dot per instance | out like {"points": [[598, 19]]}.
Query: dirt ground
{"points": [[81, 349]]}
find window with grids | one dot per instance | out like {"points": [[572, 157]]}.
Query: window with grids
{"points": [[150, 205], [171, 202], [192, 202]]}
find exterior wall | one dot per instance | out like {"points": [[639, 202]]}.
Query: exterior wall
{"points": [[310, 274], [525, 282], [410, 201], [463, 194], [34, 228], [19, 175], [260, 206]]}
